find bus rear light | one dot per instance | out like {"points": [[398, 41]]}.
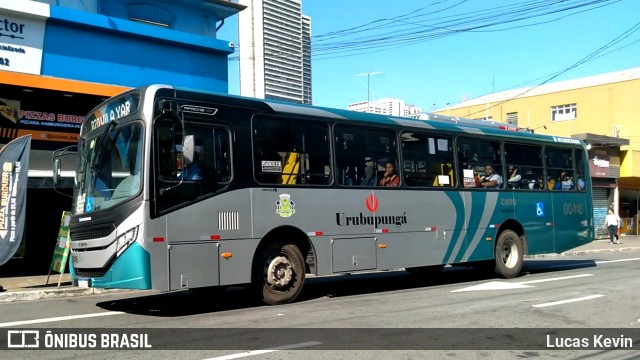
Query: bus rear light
{"points": [[382, 246], [215, 237], [226, 255]]}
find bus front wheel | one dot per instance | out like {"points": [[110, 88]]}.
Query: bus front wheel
{"points": [[508, 254], [279, 273]]}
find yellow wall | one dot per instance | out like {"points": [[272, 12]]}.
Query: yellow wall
{"points": [[630, 168], [599, 108]]}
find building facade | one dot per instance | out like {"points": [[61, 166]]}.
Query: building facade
{"points": [[61, 58], [275, 50], [602, 110], [386, 106]]}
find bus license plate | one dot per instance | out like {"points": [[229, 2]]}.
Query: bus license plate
{"points": [[83, 282]]}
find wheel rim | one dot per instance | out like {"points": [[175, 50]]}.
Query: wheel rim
{"points": [[279, 272], [509, 253]]}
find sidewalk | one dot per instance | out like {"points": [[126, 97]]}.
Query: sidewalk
{"points": [[35, 287], [20, 288]]}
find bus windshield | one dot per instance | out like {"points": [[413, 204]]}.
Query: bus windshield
{"points": [[109, 167]]}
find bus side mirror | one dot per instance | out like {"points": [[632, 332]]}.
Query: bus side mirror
{"points": [[188, 149], [56, 172]]}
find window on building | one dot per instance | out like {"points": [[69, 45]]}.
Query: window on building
{"points": [[512, 118], [564, 112]]}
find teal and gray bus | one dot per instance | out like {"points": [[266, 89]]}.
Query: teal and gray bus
{"points": [[181, 189]]}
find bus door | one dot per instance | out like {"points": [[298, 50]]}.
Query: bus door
{"points": [[183, 191], [535, 211], [572, 204]]}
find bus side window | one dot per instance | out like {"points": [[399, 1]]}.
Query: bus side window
{"points": [[169, 155], [291, 168], [527, 167], [428, 160], [290, 151], [353, 144], [478, 155]]}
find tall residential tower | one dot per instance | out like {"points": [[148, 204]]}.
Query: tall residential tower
{"points": [[275, 50]]}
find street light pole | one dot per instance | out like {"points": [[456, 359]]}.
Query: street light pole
{"points": [[368, 75]]}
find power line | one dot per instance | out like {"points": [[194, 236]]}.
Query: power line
{"points": [[413, 29], [587, 58]]}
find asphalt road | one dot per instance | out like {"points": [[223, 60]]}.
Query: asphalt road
{"points": [[358, 316]]}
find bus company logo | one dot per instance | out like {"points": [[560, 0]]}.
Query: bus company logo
{"points": [[285, 207], [361, 219], [372, 203]]}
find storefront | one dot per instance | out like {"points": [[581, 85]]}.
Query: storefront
{"points": [[58, 62], [604, 165]]}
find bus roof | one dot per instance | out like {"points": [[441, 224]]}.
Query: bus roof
{"points": [[427, 121]]}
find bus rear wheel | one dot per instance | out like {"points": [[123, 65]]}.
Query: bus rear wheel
{"points": [[508, 254], [279, 273]]}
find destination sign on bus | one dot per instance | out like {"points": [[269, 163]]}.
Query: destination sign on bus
{"points": [[113, 110], [566, 140]]}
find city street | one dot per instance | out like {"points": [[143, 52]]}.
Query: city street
{"points": [[589, 291]]}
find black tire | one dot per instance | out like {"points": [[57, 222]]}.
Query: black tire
{"points": [[508, 254], [423, 271], [279, 273]]}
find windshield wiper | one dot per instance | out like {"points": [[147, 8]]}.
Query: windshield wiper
{"points": [[98, 146]]}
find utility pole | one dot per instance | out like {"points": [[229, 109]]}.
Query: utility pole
{"points": [[368, 75]]}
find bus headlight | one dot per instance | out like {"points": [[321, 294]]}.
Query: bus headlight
{"points": [[125, 239]]}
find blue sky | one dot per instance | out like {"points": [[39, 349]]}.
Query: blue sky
{"points": [[448, 64]]}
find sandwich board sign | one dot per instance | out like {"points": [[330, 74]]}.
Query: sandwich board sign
{"points": [[61, 252]]}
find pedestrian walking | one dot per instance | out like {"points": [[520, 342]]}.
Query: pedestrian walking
{"points": [[611, 223]]}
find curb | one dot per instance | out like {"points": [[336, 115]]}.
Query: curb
{"points": [[583, 252], [10, 296]]}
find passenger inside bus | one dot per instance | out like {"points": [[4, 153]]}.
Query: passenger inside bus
{"points": [[369, 178], [581, 184], [390, 178], [514, 177], [565, 181], [490, 180]]}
